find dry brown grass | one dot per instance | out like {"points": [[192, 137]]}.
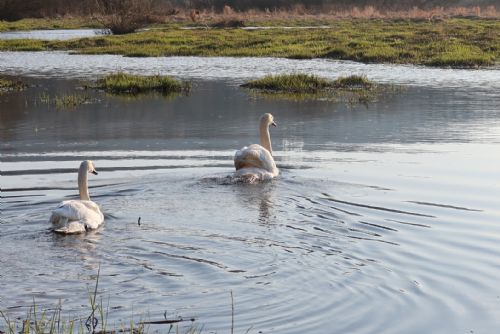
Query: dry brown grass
{"points": [[299, 12]]}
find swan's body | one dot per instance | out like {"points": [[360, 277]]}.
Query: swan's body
{"points": [[77, 216], [255, 162]]}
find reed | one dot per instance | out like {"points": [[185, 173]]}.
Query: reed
{"points": [[41, 321]]}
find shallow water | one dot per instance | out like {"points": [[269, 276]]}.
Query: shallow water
{"points": [[55, 34], [64, 65], [384, 219]]}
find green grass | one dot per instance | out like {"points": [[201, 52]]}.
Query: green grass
{"points": [[122, 83], [451, 42], [48, 23], [290, 83], [308, 83], [353, 89]]}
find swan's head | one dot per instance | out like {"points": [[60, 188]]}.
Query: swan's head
{"points": [[268, 119], [89, 166]]}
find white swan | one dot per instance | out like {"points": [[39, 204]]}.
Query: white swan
{"points": [[77, 216], [255, 162]]}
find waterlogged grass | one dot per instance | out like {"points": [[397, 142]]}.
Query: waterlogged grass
{"points": [[42, 321], [122, 83], [64, 102], [353, 89], [451, 42], [290, 83], [11, 85], [308, 83]]}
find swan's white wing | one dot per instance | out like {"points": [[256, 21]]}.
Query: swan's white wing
{"points": [[255, 156], [76, 216], [254, 163]]}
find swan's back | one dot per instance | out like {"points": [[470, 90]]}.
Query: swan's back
{"points": [[76, 216], [254, 156]]}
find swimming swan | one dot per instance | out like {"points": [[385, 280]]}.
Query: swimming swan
{"points": [[255, 162], [77, 216]]}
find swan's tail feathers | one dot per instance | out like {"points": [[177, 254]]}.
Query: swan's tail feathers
{"points": [[71, 228], [247, 159]]}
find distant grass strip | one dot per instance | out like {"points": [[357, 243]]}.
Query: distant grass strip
{"points": [[122, 83], [448, 43], [49, 23]]}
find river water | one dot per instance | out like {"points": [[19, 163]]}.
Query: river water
{"points": [[385, 217]]}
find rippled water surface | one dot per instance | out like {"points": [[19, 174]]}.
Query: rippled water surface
{"points": [[385, 218]]}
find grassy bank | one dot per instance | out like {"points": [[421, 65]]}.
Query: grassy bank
{"points": [[122, 83], [452, 42], [49, 23]]}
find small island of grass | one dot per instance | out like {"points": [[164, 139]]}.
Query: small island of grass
{"points": [[122, 83], [307, 83], [351, 89]]}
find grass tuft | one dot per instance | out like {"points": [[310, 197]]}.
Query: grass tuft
{"points": [[351, 89], [307, 83], [122, 83], [353, 82], [291, 83], [11, 85]]}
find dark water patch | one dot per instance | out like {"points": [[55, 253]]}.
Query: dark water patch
{"points": [[446, 206], [378, 208]]}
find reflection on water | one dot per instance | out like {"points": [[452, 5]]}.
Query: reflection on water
{"points": [[55, 34], [384, 218]]}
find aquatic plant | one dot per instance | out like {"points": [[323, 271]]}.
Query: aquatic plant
{"points": [[41, 321], [307, 83], [11, 85], [292, 83], [352, 89], [353, 82], [123, 83], [68, 101]]}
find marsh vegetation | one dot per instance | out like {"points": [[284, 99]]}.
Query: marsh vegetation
{"points": [[350, 89], [64, 101], [123, 83], [10, 85], [454, 42]]}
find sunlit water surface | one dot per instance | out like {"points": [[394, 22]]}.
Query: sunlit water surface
{"points": [[55, 34], [385, 218]]}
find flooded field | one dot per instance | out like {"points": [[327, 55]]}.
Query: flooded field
{"points": [[384, 218]]}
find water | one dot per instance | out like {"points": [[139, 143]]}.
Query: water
{"points": [[384, 218], [56, 34]]}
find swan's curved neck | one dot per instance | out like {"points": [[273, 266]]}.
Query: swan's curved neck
{"points": [[265, 138], [82, 183]]}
